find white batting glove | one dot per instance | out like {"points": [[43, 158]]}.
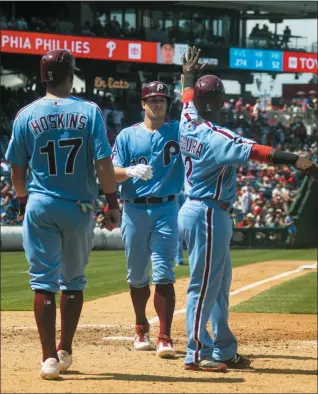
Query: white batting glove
{"points": [[140, 171]]}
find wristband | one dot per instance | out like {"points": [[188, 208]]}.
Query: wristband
{"points": [[189, 78], [112, 200], [280, 157], [22, 204]]}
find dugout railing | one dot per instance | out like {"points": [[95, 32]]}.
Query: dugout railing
{"points": [[260, 238]]}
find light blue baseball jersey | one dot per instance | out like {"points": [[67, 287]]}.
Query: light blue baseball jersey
{"points": [[210, 154], [59, 139], [135, 145]]}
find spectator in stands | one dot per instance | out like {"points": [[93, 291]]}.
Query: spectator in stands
{"points": [[37, 24], [107, 108], [3, 23], [291, 228], [5, 200], [286, 37], [118, 117], [12, 24], [99, 218], [250, 221], [277, 191], [246, 200], [114, 24], [297, 109], [265, 34], [22, 24], [239, 105], [87, 30], [255, 33], [98, 28], [257, 108]]}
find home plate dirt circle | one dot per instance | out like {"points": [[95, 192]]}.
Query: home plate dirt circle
{"points": [[282, 348]]}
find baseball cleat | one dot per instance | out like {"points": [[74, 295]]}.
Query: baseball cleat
{"points": [[238, 362], [65, 360], [142, 340], [165, 347], [50, 369], [207, 365]]}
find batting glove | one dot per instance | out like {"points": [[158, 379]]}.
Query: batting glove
{"points": [[140, 171]]}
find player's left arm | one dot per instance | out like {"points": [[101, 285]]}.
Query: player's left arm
{"points": [[190, 69], [17, 155], [266, 154], [233, 149]]}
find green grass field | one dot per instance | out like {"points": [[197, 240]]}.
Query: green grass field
{"points": [[297, 295], [106, 273]]}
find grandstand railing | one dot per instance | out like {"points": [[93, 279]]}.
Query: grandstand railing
{"points": [[260, 238]]}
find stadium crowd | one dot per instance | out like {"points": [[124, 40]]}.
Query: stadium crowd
{"points": [[264, 193]]}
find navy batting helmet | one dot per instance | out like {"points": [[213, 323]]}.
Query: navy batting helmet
{"points": [[209, 92], [57, 65], [155, 88]]}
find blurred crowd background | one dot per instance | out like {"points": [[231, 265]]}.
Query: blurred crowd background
{"points": [[198, 32], [264, 193]]}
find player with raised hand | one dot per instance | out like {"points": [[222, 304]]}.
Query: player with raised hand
{"points": [[210, 154], [60, 141], [148, 163]]}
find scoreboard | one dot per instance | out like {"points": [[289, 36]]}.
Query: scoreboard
{"points": [[256, 59]]}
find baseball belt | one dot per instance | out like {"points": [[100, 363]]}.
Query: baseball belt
{"points": [[151, 200], [224, 205]]}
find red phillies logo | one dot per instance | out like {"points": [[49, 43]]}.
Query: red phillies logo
{"points": [[300, 62]]}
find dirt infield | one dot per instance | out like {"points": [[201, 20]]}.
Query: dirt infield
{"points": [[283, 348]]}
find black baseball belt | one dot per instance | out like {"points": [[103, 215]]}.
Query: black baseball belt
{"points": [[151, 200]]}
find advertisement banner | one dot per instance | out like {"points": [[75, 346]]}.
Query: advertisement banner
{"points": [[301, 62], [22, 42]]}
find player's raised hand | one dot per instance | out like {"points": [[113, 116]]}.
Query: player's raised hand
{"points": [[307, 166], [111, 219], [191, 60], [141, 171]]}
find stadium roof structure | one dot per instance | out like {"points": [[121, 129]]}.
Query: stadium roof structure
{"points": [[263, 9]]}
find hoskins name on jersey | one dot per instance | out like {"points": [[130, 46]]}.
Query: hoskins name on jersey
{"points": [[62, 121], [191, 146]]}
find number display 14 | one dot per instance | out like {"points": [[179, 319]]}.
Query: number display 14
{"points": [[256, 59]]}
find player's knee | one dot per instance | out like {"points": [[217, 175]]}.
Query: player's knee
{"points": [[44, 292], [71, 292], [137, 284], [165, 289]]}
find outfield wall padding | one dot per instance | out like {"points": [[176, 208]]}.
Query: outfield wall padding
{"points": [[11, 239]]}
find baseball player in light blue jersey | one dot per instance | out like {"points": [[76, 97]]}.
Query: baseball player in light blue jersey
{"points": [[179, 258], [61, 140], [147, 161], [210, 154]]}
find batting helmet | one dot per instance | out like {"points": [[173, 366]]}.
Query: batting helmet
{"points": [[155, 88], [57, 65], [209, 91]]}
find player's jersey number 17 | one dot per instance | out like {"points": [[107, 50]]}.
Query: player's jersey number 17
{"points": [[72, 144]]}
